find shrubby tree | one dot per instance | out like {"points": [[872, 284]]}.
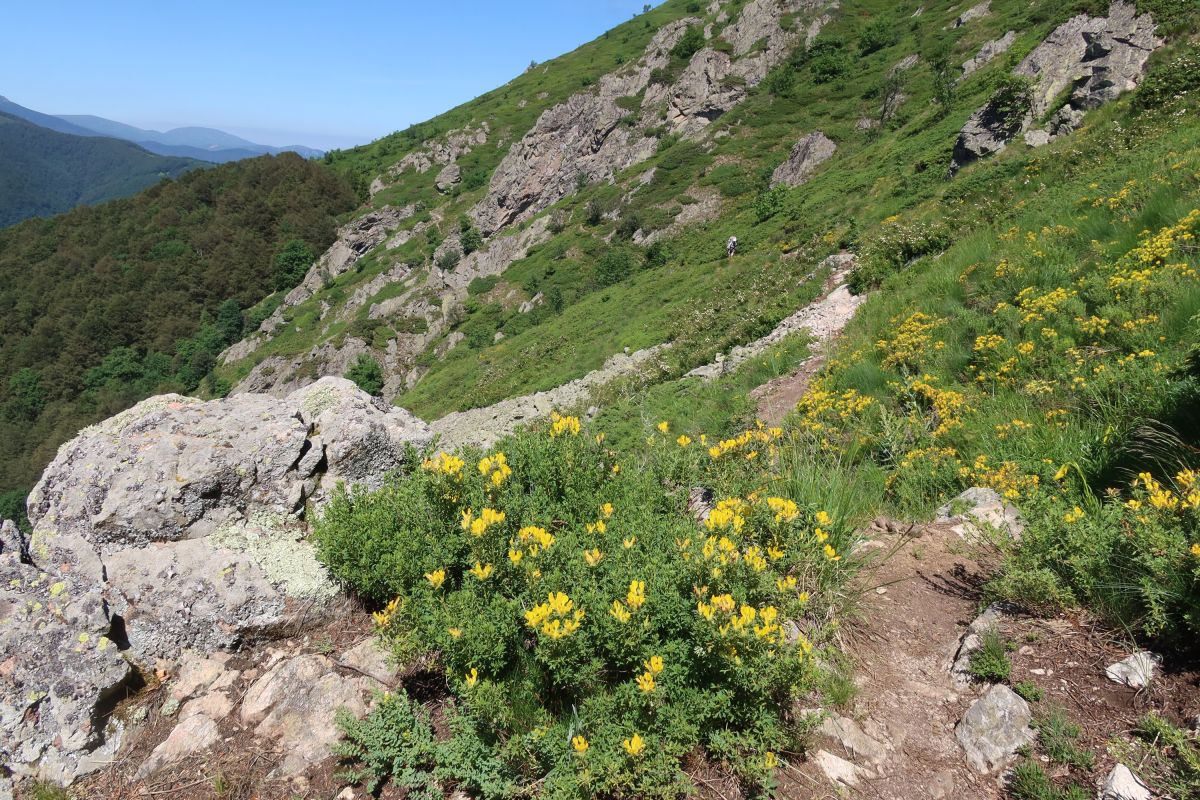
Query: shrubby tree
{"points": [[291, 263]]}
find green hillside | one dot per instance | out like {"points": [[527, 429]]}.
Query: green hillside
{"points": [[43, 172], [108, 304]]}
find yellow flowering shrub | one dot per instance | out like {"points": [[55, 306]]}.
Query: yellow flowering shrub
{"points": [[574, 609]]}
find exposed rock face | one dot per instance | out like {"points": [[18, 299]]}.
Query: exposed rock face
{"points": [[173, 525], [297, 700], [994, 728], [583, 139], [443, 150], [807, 154], [987, 52], [1101, 57], [448, 178]]}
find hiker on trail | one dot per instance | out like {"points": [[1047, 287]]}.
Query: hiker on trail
{"points": [[731, 247]]}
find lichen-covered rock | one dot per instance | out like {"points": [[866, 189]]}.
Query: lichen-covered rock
{"points": [[973, 13], [175, 525], [994, 728], [806, 155]]}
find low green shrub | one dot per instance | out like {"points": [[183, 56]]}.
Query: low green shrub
{"points": [[990, 662]]}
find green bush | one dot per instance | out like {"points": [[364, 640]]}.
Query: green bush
{"points": [[894, 245], [482, 284], [1174, 83], [393, 743], [367, 373], [592, 634], [878, 34]]}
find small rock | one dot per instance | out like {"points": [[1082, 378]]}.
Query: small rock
{"points": [[192, 735], [169, 707], [839, 770], [994, 728], [1135, 671], [972, 13], [1121, 784], [984, 509], [849, 735]]}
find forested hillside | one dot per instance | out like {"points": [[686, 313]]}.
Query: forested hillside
{"points": [[43, 172], [108, 304]]}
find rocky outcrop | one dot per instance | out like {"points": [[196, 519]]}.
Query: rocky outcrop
{"points": [[174, 525], [987, 52], [440, 151], [1098, 58], [806, 155], [586, 139], [973, 13]]}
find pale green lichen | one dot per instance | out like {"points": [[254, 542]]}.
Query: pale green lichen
{"points": [[280, 552], [318, 400]]}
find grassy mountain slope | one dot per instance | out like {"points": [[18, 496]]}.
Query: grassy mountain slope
{"points": [[43, 172], [109, 304]]}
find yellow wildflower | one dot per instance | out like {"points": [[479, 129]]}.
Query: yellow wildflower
{"points": [[770, 761], [1073, 516], [830, 553], [579, 744], [634, 745], [436, 578], [635, 598], [560, 425], [645, 682], [664, 426], [472, 678], [1196, 549], [683, 441], [606, 510], [629, 542], [653, 665], [593, 557], [619, 612], [482, 571], [454, 632]]}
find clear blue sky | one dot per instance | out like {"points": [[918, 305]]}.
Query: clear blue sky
{"points": [[323, 74]]}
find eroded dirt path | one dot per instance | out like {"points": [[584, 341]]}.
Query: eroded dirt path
{"points": [[918, 593]]}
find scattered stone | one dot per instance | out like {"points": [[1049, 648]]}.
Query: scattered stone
{"points": [[994, 728], [839, 770], [1121, 784], [982, 510], [1135, 671], [192, 735], [847, 733], [904, 64], [806, 155]]}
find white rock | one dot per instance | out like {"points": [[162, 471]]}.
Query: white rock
{"points": [[192, 735], [1135, 671], [839, 770], [848, 734], [1121, 784]]}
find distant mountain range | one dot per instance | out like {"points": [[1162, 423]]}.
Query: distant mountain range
{"points": [[45, 171], [203, 144]]}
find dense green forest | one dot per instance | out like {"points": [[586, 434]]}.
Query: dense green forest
{"points": [[106, 305], [43, 172]]}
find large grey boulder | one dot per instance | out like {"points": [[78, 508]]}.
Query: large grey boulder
{"points": [[806, 155], [994, 728], [1098, 58], [178, 524]]}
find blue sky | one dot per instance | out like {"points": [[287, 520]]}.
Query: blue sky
{"points": [[322, 74]]}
